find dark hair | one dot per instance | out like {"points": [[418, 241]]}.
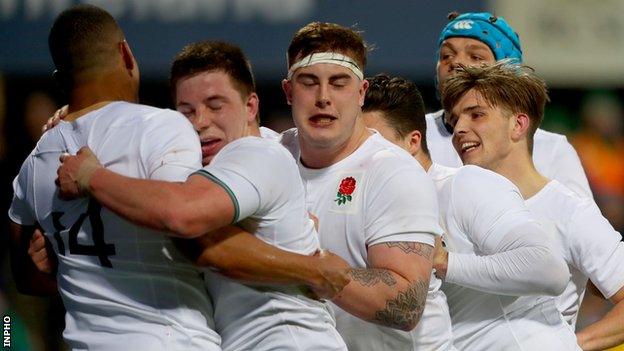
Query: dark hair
{"points": [[401, 103], [512, 87], [83, 38], [214, 56], [321, 37]]}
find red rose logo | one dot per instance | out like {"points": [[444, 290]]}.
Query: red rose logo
{"points": [[346, 188]]}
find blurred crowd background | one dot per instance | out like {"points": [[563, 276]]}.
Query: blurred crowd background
{"points": [[576, 45]]}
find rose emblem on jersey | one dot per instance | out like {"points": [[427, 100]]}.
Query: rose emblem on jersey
{"points": [[346, 188]]}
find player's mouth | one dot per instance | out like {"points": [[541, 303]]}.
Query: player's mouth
{"points": [[210, 146], [468, 147], [322, 120]]}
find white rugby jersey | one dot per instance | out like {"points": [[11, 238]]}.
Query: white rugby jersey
{"points": [[377, 194], [553, 155], [124, 287], [588, 242], [264, 183], [477, 206]]}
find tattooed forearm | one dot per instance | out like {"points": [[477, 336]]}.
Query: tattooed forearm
{"points": [[372, 276], [412, 247], [405, 310]]}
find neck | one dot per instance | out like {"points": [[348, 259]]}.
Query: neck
{"points": [[252, 130], [320, 157], [520, 170], [424, 160], [95, 89]]}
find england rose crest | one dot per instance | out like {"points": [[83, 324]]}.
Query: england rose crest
{"points": [[346, 188]]}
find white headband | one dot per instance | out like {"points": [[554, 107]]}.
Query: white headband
{"points": [[326, 57]]}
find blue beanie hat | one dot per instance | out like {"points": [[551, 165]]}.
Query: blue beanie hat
{"points": [[494, 31]]}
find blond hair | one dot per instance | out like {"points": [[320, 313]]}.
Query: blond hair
{"points": [[512, 87]]}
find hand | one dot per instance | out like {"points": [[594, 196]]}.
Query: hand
{"points": [[75, 173], [38, 250], [440, 259], [334, 272], [58, 116]]}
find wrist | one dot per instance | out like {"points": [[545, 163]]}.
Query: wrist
{"points": [[441, 265], [88, 180]]}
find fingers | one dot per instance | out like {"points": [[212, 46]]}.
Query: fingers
{"points": [[64, 156], [59, 115], [38, 252]]}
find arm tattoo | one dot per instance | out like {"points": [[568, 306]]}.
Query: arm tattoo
{"points": [[406, 308], [420, 249], [372, 276]]}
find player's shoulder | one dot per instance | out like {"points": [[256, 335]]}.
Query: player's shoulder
{"points": [[548, 138], [435, 125], [259, 149], [381, 151], [146, 114], [562, 199], [475, 180]]}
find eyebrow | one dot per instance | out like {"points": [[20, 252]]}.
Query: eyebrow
{"points": [[477, 47], [472, 108], [206, 100], [306, 76], [331, 78]]}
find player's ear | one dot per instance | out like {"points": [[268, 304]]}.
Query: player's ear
{"points": [[287, 88], [253, 103], [126, 54], [362, 91], [413, 141], [521, 125]]}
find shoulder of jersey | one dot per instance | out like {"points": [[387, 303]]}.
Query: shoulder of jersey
{"points": [[290, 142], [567, 198], [145, 112], [476, 177], [52, 139], [267, 149], [546, 137], [385, 152]]}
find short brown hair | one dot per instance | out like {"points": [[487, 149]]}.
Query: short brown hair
{"points": [[322, 37], [214, 56], [401, 104], [512, 87]]}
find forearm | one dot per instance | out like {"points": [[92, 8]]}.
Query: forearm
{"points": [[514, 272], [606, 333], [384, 297], [160, 205], [241, 256]]}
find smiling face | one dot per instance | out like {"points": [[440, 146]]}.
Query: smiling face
{"points": [[216, 108], [459, 50], [482, 133], [326, 104]]}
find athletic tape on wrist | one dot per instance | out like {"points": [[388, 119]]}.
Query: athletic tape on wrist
{"points": [[326, 57]]}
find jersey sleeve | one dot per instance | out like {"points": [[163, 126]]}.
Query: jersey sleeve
{"points": [[253, 174], [597, 249], [486, 205], [514, 251], [21, 211], [170, 147], [403, 207], [567, 169]]}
